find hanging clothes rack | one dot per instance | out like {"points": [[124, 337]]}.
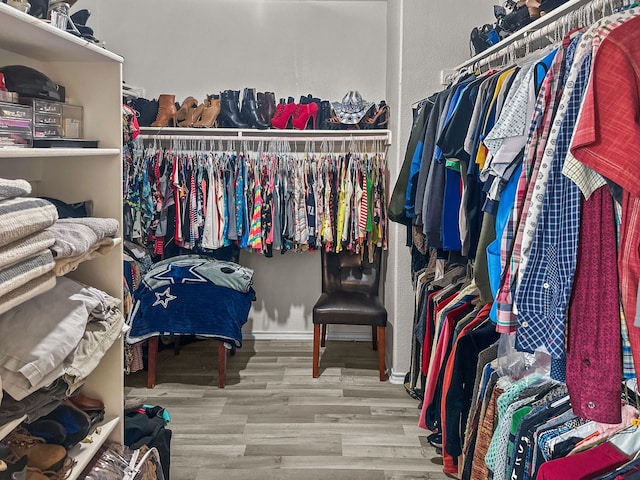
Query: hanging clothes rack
{"points": [[546, 30], [260, 190], [298, 136]]}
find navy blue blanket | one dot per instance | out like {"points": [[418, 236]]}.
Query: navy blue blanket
{"points": [[181, 302]]}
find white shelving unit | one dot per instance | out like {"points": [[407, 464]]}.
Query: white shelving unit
{"points": [[92, 77]]}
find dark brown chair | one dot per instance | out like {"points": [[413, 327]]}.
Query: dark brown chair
{"points": [[350, 286]]}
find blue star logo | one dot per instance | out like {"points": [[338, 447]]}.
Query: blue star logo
{"points": [[164, 298], [164, 275], [195, 276]]}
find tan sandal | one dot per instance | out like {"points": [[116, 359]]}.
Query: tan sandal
{"points": [[533, 6], [380, 120]]}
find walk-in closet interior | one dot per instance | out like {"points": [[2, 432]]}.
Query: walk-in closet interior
{"points": [[319, 239]]}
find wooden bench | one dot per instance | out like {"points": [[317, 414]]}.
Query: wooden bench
{"points": [[153, 353]]}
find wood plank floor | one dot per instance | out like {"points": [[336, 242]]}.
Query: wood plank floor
{"points": [[273, 420]]}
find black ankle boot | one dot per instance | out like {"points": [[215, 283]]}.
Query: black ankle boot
{"points": [[249, 110], [306, 99], [229, 113], [324, 114]]}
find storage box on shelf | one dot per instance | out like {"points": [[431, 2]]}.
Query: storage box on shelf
{"points": [[92, 77], [72, 119], [47, 119], [56, 119], [16, 125]]}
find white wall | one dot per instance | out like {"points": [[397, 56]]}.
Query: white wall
{"points": [[422, 38], [290, 47], [390, 49]]}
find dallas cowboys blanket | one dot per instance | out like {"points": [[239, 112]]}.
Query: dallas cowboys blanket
{"points": [[181, 299]]}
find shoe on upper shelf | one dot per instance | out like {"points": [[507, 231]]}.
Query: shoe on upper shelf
{"points": [[230, 116]]}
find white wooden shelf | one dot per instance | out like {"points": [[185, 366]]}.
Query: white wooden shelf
{"points": [[7, 428], [56, 152], [26, 35], [84, 452], [92, 77]]}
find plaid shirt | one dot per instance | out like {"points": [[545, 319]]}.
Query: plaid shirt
{"points": [[544, 293], [514, 229], [548, 151]]}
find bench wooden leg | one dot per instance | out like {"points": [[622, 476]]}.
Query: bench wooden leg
{"points": [[316, 350], [381, 354], [152, 353], [222, 364]]}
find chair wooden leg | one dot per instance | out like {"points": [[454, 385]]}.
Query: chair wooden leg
{"points": [[152, 353], [222, 364], [381, 354], [323, 342], [374, 337], [316, 350]]}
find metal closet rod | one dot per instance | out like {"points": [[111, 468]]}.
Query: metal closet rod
{"points": [[234, 138], [574, 12]]}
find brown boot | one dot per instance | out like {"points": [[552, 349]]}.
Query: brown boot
{"points": [[61, 474], [209, 115], [166, 111], [33, 475], [41, 456], [266, 106], [85, 402], [185, 112]]}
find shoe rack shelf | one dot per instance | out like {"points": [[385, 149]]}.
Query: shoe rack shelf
{"points": [[92, 77], [7, 428], [84, 452], [178, 133]]}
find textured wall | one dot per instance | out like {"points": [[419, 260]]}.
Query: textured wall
{"points": [[423, 37]]}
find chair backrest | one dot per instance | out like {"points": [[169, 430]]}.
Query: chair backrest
{"points": [[347, 272]]}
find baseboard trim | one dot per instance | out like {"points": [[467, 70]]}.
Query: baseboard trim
{"points": [[397, 378], [341, 336]]}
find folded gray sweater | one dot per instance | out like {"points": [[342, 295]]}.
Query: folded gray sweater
{"points": [[75, 236]]}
